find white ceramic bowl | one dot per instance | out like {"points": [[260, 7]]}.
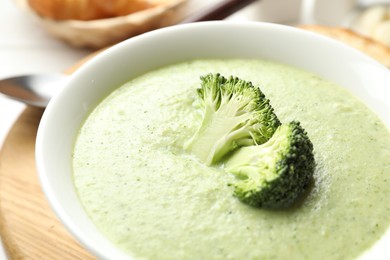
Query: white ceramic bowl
{"points": [[62, 119]]}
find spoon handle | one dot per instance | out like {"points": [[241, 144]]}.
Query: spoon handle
{"points": [[218, 11]]}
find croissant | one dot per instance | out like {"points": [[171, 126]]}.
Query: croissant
{"points": [[88, 9]]}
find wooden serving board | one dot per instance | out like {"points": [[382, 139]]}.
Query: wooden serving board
{"points": [[28, 227]]}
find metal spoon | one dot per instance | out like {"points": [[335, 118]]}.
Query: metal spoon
{"points": [[34, 90]]}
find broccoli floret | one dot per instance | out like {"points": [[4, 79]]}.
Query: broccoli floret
{"points": [[272, 175], [235, 114]]}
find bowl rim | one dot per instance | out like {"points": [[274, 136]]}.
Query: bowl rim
{"points": [[105, 56]]}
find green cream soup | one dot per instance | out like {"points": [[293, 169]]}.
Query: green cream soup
{"points": [[155, 201]]}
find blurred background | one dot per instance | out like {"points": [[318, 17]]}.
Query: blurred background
{"points": [[28, 43]]}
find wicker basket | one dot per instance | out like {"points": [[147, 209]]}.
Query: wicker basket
{"points": [[104, 32]]}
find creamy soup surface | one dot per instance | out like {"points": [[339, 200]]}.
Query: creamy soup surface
{"points": [[155, 201]]}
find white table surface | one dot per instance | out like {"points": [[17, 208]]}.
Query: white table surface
{"points": [[25, 47]]}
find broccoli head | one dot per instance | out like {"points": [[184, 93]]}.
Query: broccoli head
{"points": [[272, 175], [235, 114]]}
